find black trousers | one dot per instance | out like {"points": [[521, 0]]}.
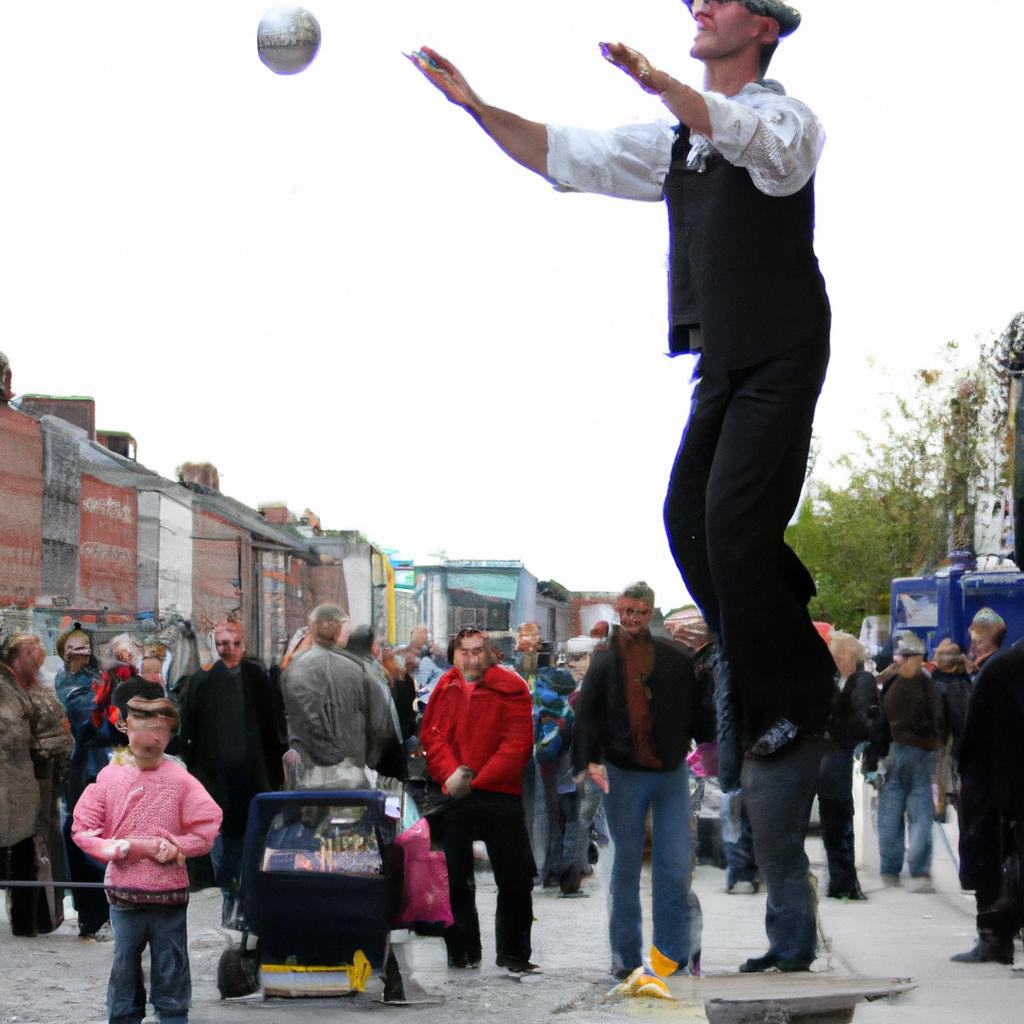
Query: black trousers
{"points": [[499, 821], [734, 486], [986, 841], [835, 804], [91, 904], [18, 864]]}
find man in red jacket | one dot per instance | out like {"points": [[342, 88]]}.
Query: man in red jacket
{"points": [[477, 735]]}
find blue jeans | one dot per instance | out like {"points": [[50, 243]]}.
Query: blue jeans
{"points": [[667, 794], [778, 792], [907, 789], [164, 929]]}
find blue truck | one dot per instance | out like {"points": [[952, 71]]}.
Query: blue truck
{"points": [[943, 604]]}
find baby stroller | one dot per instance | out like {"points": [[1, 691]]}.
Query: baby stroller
{"points": [[320, 887]]}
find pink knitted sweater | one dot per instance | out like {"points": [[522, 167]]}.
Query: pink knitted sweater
{"points": [[126, 801]]}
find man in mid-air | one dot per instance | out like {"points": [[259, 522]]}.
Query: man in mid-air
{"points": [[735, 166]]}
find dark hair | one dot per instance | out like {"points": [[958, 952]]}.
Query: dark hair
{"points": [[639, 591], [135, 686], [360, 640], [463, 633]]}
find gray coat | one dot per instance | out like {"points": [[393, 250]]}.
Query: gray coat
{"points": [[335, 710], [19, 791]]}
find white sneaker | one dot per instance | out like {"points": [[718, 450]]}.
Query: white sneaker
{"points": [[922, 883], [742, 889]]}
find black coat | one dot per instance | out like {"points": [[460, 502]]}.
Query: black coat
{"points": [[682, 709], [233, 737], [955, 690], [855, 711], [992, 767]]}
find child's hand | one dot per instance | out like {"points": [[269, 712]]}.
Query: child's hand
{"points": [[116, 849], [153, 847], [166, 851]]}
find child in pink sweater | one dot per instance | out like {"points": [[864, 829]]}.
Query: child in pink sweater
{"points": [[144, 820]]}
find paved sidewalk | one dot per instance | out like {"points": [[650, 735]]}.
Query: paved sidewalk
{"points": [[894, 934]]}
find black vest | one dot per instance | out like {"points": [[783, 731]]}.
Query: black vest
{"points": [[742, 264]]}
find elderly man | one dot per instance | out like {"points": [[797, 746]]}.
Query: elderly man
{"points": [[736, 168], [477, 735], [19, 791], [427, 672], [853, 714], [639, 708], [233, 741], [992, 806], [40, 911], [340, 719], [987, 632], [913, 707], [74, 685]]}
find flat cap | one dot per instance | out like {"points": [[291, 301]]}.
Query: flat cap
{"points": [[909, 644]]}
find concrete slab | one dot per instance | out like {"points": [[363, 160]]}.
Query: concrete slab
{"points": [[773, 998]]}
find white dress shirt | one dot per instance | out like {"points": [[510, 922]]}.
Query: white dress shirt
{"points": [[776, 138]]}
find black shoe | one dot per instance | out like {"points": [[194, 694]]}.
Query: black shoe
{"points": [[759, 963], [516, 964], [464, 963], [765, 963], [851, 892], [792, 966], [987, 950]]}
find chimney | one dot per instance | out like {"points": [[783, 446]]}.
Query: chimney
{"points": [[276, 512], [200, 476], [119, 442], [78, 410]]}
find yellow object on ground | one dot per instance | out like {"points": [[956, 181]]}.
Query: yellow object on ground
{"points": [[644, 985]]}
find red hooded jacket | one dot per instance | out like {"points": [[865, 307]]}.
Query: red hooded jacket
{"points": [[486, 725]]}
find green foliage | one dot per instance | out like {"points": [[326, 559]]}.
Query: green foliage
{"points": [[909, 497]]}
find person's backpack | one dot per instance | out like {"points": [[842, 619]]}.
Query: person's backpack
{"points": [[552, 714]]}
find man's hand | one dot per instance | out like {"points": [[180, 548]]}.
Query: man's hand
{"points": [[695, 634], [524, 141], [599, 776], [443, 74], [457, 785], [637, 66]]}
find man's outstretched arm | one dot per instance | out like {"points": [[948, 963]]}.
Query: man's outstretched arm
{"points": [[525, 141]]}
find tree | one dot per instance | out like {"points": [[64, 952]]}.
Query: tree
{"points": [[911, 497]]}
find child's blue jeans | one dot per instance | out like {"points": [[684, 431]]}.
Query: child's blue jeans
{"points": [[165, 930]]}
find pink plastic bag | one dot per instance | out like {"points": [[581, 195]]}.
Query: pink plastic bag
{"points": [[425, 884], [704, 760]]}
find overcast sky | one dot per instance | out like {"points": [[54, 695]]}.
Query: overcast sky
{"points": [[335, 288]]}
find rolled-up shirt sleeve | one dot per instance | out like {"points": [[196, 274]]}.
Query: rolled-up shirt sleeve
{"points": [[628, 163], [777, 139]]}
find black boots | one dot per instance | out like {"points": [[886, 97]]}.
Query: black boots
{"points": [[757, 964], [990, 948], [848, 892]]}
